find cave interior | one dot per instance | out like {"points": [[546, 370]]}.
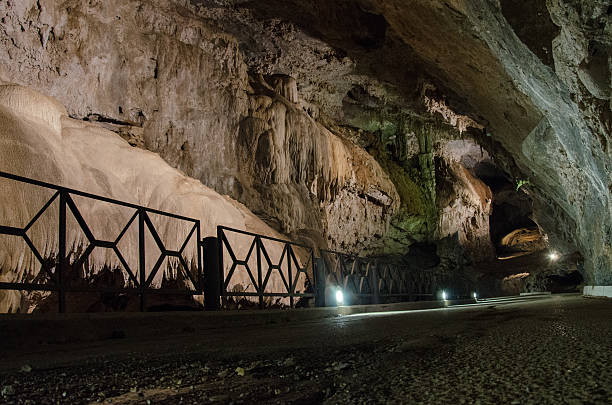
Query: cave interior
{"points": [[470, 137]]}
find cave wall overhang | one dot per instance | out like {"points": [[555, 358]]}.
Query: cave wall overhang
{"points": [[174, 75]]}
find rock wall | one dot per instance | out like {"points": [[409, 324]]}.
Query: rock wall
{"points": [[274, 103], [464, 201], [150, 67], [38, 140], [548, 126], [294, 170], [166, 79]]}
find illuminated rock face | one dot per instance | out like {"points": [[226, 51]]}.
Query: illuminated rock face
{"points": [[38, 140], [294, 170], [332, 120], [465, 204], [170, 82]]}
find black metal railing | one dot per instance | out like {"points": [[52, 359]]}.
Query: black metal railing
{"points": [[370, 280], [257, 253], [54, 270], [244, 264]]}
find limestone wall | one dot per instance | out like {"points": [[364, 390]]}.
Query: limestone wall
{"points": [[39, 141], [169, 81]]}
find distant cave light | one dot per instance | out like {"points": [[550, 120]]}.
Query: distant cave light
{"points": [[553, 256], [339, 297]]}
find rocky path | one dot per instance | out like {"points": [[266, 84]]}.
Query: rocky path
{"points": [[550, 351]]}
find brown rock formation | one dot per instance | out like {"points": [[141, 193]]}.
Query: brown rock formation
{"points": [[38, 140], [332, 120]]}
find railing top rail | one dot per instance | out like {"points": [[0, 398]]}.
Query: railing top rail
{"points": [[94, 196], [370, 259], [227, 228]]}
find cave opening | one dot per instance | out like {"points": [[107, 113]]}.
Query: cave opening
{"points": [[512, 228], [525, 261]]}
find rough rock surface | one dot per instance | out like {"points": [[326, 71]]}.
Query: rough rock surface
{"points": [[549, 126], [464, 201], [523, 240], [221, 88], [167, 80], [561, 150], [38, 140], [296, 171]]}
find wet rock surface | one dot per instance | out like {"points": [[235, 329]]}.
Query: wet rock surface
{"points": [[552, 351]]}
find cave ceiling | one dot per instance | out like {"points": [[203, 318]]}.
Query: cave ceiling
{"points": [[401, 88], [390, 50], [533, 77]]}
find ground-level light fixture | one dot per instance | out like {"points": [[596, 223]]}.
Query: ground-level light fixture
{"points": [[339, 297], [475, 295], [443, 295], [553, 256]]}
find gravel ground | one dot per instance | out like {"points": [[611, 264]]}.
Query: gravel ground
{"points": [[554, 352]]}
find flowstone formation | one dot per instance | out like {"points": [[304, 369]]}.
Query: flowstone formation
{"points": [[38, 140], [371, 127]]}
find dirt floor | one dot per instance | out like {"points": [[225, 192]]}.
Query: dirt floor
{"points": [[546, 351]]}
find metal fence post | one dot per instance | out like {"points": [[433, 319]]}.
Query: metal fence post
{"points": [[61, 296], [375, 284], [212, 274], [319, 278], [141, 258], [220, 236], [259, 280], [290, 274], [199, 287]]}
